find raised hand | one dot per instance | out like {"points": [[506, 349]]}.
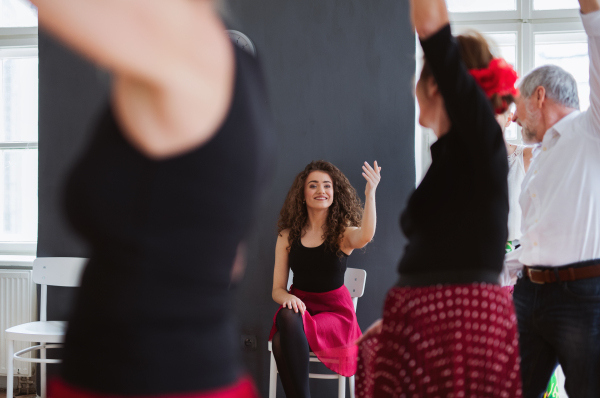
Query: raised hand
{"points": [[373, 176]]}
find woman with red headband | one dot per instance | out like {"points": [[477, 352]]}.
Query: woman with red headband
{"points": [[448, 328]]}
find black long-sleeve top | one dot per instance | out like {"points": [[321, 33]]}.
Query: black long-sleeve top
{"points": [[456, 220]]}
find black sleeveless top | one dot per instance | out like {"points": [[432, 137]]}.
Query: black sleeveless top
{"points": [[154, 311], [316, 269]]}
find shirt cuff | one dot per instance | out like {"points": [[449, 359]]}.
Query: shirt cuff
{"points": [[591, 23]]}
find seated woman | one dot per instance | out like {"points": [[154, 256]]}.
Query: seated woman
{"points": [[320, 224]]}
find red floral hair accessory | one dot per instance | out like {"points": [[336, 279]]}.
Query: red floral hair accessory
{"points": [[498, 78]]}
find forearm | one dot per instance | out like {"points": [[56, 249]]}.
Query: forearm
{"points": [[429, 16], [591, 23], [369, 221], [134, 37], [588, 6], [280, 295]]}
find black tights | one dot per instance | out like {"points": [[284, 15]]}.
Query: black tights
{"points": [[291, 352]]}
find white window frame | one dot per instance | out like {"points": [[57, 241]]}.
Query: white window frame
{"points": [[18, 41], [525, 22]]}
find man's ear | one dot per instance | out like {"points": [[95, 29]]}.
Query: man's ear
{"points": [[540, 96]]}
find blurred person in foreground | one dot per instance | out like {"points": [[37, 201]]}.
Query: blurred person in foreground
{"points": [[164, 194], [448, 328]]}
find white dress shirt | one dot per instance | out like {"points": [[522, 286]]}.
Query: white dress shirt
{"points": [[560, 197]]}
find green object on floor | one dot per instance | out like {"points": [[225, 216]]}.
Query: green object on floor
{"points": [[552, 390]]}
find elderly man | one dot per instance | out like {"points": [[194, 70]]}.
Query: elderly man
{"points": [[557, 297]]}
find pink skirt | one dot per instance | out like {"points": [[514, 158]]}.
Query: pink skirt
{"points": [[244, 388], [443, 341], [331, 328]]}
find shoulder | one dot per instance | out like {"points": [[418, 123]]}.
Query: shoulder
{"points": [[180, 111], [284, 234]]}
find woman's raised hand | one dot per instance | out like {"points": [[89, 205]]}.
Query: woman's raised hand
{"points": [[373, 176], [294, 303]]}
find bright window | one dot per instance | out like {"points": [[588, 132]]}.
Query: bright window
{"points": [[528, 34], [18, 127], [479, 5], [555, 4]]}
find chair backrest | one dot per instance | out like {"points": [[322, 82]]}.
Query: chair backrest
{"points": [[354, 279], [56, 271]]}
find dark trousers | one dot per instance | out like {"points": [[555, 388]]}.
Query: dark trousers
{"points": [[559, 323]]}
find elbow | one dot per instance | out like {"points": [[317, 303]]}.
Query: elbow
{"points": [[363, 243]]}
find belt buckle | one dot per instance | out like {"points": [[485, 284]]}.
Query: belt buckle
{"points": [[531, 271]]}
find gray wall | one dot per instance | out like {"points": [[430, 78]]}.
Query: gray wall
{"points": [[339, 75]]}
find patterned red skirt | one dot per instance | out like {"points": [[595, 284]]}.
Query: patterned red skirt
{"points": [[242, 389], [331, 328], [443, 341]]}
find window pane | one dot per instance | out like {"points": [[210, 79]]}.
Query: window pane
{"points": [[555, 4], [19, 99], [478, 5], [17, 13], [569, 51], [18, 195], [504, 45]]}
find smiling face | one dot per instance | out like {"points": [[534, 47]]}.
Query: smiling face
{"points": [[318, 190]]}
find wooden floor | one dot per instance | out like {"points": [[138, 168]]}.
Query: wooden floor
{"points": [[3, 395]]}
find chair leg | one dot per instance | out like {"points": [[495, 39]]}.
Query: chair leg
{"points": [[273, 378], [10, 351], [351, 383], [341, 387], [43, 374]]}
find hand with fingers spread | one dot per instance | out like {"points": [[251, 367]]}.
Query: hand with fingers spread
{"points": [[294, 303], [373, 176]]}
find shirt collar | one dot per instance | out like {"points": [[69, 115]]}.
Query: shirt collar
{"points": [[560, 127]]}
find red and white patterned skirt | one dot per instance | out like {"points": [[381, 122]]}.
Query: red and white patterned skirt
{"points": [[456, 341]]}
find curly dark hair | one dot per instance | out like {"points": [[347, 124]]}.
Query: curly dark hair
{"points": [[345, 211]]}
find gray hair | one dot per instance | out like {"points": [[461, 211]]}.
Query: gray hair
{"points": [[559, 84]]}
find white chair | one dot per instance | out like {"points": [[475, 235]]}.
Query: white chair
{"points": [[354, 280], [53, 271]]}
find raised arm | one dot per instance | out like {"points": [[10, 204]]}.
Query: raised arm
{"points": [[148, 39], [588, 6], [428, 16], [356, 238], [172, 60], [590, 10], [468, 107]]}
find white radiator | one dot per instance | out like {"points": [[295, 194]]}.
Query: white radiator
{"points": [[17, 306]]}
